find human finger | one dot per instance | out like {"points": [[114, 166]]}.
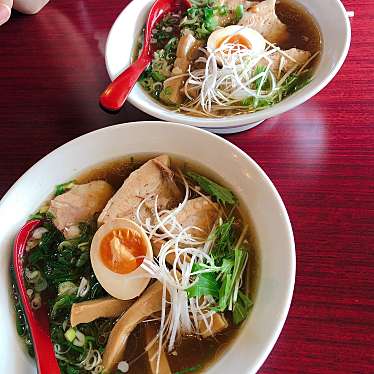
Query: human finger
{"points": [[5, 10], [29, 7]]}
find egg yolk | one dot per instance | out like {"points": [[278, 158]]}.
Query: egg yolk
{"points": [[122, 250], [235, 39]]}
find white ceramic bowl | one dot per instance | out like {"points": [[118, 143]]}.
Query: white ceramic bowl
{"points": [[336, 34], [255, 190]]}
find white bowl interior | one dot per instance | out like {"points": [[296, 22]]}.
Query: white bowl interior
{"points": [[329, 14], [249, 182]]}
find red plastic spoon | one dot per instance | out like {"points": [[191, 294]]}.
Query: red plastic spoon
{"points": [[116, 93], [37, 319]]}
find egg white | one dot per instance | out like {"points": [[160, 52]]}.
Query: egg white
{"points": [[121, 286], [253, 37]]}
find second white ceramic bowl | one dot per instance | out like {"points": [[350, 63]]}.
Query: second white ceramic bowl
{"points": [[336, 34]]}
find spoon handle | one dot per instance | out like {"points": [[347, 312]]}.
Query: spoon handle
{"points": [[116, 93], [37, 319]]}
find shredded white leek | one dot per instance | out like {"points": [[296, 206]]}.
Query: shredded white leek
{"points": [[180, 315], [231, 75]]}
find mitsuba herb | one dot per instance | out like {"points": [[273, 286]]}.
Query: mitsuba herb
{"points": [[221, 194]]}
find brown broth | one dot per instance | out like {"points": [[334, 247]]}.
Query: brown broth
{"points": [[191, 351], [304, 34], [303, 30]]}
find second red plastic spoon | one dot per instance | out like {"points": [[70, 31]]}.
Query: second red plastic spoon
{"points": [[116, 93]]}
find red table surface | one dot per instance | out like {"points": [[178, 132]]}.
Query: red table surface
{"points": [[320, 157]]}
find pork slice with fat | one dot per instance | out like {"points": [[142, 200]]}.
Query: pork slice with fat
{"points": [[152, 179], [79, 204], [262, 18]]}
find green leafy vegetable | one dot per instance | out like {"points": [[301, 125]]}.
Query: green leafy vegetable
{"points": [[61, 188], [62, 303], [295, 83], [165, 37], [224, 239], [210, 21], [239, 12], [241, 307], [230, 281], [96, 335], [165, 30], [206, 284], [42, 216], [61, 264], [21, 322], [223, 279], [261, 82], [292, 84], [221, 194], [189, 370]]}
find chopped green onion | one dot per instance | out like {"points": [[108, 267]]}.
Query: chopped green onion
{"points": [[222, 10], [239, 12], [83, 259], [70, 334], [80, 339], [158, 77], [67, 288], [63, 302]]}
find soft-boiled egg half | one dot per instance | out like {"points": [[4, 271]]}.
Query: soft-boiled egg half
{"points": [[117, 251], [235, 34]]}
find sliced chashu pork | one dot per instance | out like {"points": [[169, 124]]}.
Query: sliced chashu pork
{"points": [[298, 55], [187, 51], [152, 179], [262, 18], [200, 212], [79, 204], [219, 323], [230, 17]]}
